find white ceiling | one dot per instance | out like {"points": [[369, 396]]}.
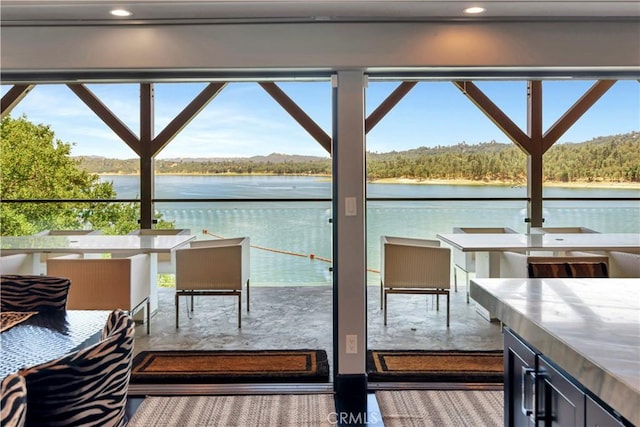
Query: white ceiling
{"points": [[42, 12]]}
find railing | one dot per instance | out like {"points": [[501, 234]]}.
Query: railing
{"points": [[301, 226]]}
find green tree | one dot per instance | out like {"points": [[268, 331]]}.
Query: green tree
{"points": [[35, 165]]}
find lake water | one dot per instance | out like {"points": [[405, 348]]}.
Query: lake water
{"points": [[303, 227]]}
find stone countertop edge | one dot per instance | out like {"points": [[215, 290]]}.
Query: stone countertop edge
{"points": [[597, 379]]}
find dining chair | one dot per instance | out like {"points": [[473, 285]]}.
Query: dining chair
{"points": [[518, 265], [166, 263], [33, 293], [13, 391], [414, 266], [87, 387], [213, 268], [107, 283], [466, 261], [621, 264]]}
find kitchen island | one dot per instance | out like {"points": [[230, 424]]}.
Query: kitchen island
{"points": [[585, 331]]}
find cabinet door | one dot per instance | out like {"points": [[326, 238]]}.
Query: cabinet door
{"points": [[562, 403], [519, 382], [597, 416]]}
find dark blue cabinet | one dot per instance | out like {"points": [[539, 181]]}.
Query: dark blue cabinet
{"points": [[519, 382], [539, 393], [561, 402]]}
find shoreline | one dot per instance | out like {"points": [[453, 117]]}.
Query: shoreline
{"points": [[577, 184], [414, 181]]}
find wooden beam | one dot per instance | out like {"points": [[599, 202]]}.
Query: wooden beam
{"points": [[186, 115], [576, 111], [534, 116], [298, 114], [106, 116], [147, 161], [495, 114], [535, 154], [13, 98], [387, 105]]}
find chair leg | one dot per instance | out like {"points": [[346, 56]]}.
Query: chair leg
{"points": [[385, 307], [192, 302], [381, 293], [437, 302], [455, 278], [240, 310], [248, 295], [148, 315], [177, 311], [447, 309], [467, 278]]}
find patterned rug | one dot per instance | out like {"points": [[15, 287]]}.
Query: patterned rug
{"points": [[435, 366], [230, 366], [9, 319], [441, 408], [310, 410]]}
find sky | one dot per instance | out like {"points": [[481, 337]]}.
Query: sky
{"points": [[243, 120]]}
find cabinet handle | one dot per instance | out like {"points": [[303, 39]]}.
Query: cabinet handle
{"points": [[528, 391]]}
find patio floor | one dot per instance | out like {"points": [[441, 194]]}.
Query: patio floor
{"points": [[300, 318]]}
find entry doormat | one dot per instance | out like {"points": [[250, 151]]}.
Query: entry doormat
{"points": [[230, 366], [435, 366]]}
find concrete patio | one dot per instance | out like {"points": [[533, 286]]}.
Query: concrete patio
{"points": [[301, 317]]}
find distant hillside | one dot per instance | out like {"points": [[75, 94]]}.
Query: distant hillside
{"points": [[613, 158]]}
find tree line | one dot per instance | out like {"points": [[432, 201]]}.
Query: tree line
{"points": [[613, 158], [37, 166]]}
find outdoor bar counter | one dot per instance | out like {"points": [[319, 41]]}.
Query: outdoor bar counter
{"points": [[590, 328]]}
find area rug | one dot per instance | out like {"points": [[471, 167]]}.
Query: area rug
{"points": [[230, 366], [310, 410], [435, 366], [441, 408]]}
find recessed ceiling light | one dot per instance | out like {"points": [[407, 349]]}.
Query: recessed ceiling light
{"points": [[120, 12], [474, 10]]}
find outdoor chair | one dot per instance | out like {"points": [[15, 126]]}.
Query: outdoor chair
{"points": [[45, 256], [33, 293], [67, 232], [517, 265], [166, 263], [466, 261], [87, 387], [107, 283], [564, 230], [624, 264], [213, 267], [414, 266], [17, 264], [14, 400]]}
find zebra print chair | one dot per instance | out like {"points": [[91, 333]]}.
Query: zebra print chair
{"points": [[14, 401], [87, 387], [33, 293]]}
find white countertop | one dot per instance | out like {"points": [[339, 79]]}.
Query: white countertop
{"points": [[588, 327], [474, 242], [92, 243]]}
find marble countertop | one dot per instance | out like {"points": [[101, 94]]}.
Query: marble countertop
{"points": [[588, 327]]}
